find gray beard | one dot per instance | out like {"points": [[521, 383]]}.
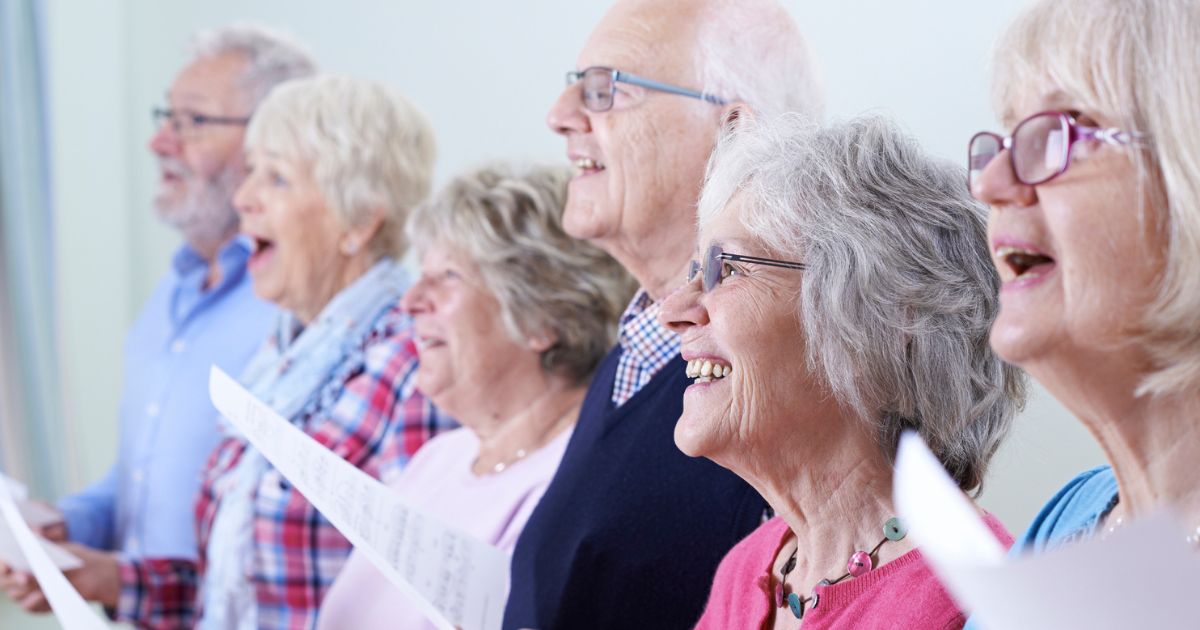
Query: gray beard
{"points": [[206, 213]]}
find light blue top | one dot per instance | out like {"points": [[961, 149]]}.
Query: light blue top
{"points": [[168, 428], [1072, 515]]}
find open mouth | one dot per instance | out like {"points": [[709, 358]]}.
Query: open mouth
{"points": [[1024, 264], [426, 343], [586, 166], [707, 370], [261, 251]]}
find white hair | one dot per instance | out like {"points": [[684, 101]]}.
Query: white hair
{"points": [[898, 294], [1135, 61], [753, 51], [271, 57], [370, 150]]}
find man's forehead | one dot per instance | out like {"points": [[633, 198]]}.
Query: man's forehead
{"points": [[208, 80], [643, 37]]}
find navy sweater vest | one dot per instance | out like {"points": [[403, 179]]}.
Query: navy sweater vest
{"points": [[630, 532]]}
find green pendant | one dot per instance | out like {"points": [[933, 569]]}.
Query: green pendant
{"points": [[796, 604]]}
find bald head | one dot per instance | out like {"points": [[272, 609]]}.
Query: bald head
{"points": [[640, 163]]}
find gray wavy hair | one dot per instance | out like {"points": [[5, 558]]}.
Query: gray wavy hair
{"points": [[509, 223], [271, 57], [899, 292]]}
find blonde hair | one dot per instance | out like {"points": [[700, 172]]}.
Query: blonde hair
{"points": [[508, 221], [1137, 62], [370, 150]]}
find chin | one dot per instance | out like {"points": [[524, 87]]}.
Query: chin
{"points": [[584, 219], [1019, 345], [693, 440]]}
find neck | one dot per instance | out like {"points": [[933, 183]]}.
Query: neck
{"points": [[1152, 442], [208, 247], [352, 269], [537, 420], [658, 269], [834, 490]]}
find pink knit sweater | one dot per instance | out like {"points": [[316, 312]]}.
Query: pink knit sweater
{"points": [[903, 593]]}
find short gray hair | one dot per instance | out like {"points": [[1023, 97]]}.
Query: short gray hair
{"points": [[1135, 61], [509, 223], [753, 51], [370, 149], [899, 291], [271, 57]]}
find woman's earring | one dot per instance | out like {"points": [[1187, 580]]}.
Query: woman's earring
{"points": [[350, 247]]}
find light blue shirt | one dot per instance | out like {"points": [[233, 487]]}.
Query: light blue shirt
{"points": [[1074, 514], [168, 428]]}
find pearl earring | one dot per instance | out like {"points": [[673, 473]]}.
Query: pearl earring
{"points": [[350, 247]]}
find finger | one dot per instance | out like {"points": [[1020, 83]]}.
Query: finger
{"points": [[54, 532], [35, 602], [19, 586]]}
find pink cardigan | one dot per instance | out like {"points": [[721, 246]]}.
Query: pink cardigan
{"points": [[903, 593]]}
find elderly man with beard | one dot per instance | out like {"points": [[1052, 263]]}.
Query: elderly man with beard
{"points": [[203, 312], [631, 530]]}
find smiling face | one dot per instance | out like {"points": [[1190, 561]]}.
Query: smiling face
{"points": [[298, 260], [201, 168], [468, 360], [749, 326], [639, 165], [1079, 258]]}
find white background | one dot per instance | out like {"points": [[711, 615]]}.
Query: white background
{"points": [[485, 73]]}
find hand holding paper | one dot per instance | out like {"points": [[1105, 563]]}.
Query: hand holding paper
{"points": [[70, 608]]}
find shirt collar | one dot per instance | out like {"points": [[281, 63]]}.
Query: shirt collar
{"points": [[231, 256], [640, 332]]}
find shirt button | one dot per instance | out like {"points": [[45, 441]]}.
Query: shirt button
{"points": [[137, 476], [152, 410], [178, 346]]}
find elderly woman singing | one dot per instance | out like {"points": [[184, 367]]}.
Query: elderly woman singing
{"points": [[1095, 229], [335, 166], [842, 295], [512, 316]]}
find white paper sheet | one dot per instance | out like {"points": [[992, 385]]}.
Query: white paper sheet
{"points": [[36, 515], [454, 578], [1142, 576], [72, 611]]}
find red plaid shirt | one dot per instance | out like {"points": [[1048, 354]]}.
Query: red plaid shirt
{"points": [[370, 415]]}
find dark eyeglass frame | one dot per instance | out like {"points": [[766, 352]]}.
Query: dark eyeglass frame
{"points": [[617, 76], [710, 268], [1072, 130], [194, 120]]}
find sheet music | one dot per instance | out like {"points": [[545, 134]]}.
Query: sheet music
{"points": [[455, 579], [1142, 576], [72, 611]]}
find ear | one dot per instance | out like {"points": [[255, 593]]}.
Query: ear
{"points": [[359, 235], [736, 114], [541, 342]]}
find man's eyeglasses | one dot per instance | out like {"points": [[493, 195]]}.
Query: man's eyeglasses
{"points": [[186, 123], [713, 271], [1039, 148], [600, 85]]}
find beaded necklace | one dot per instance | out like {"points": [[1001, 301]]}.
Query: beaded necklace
{"points": [[859, 564], [1192, 539]]}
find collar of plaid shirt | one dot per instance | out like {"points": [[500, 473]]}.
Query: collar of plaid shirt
{"points": [[646, 347]]}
